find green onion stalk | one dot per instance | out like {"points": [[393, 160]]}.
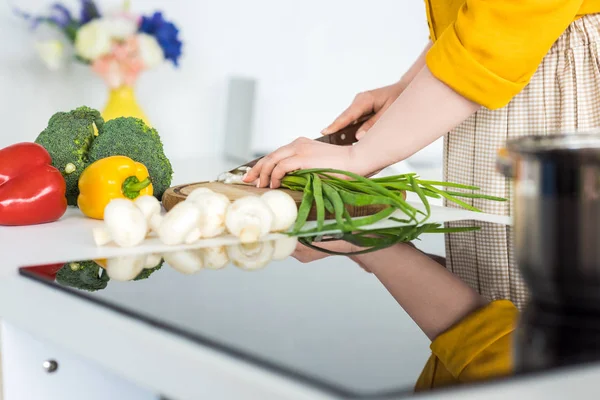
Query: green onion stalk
{"points": [[326, 191]]}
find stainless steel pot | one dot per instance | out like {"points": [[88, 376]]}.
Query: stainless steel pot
{"points": [[556, 222], [556, 215]]}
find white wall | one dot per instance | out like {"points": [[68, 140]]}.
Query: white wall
{"points": [[310, 58]]}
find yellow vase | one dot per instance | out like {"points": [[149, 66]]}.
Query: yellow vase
{"points": [[122, 103]]}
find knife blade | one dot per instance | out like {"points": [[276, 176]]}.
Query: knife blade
{"points": [[344, 137]]}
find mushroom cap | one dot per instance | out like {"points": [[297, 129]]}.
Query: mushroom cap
{"points": [[284, 247], [178, 223], [149, 205], [284, 208], [185, 261], [213, 207], [125, 268], [251, 256], [197, 192], [125, 222], [249, 218], [215, 257]]}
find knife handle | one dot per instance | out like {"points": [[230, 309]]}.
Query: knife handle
{"points": [[345, 136]]}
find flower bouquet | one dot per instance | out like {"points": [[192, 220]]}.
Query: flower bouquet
{"points": [[118, 46]]}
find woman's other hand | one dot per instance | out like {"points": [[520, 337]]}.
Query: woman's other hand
{"points": [[305, 254], [373, 101]]}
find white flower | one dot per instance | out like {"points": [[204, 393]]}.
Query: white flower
{"points": [[52, 53], [120, 27], [93, 40], [150, 51]]}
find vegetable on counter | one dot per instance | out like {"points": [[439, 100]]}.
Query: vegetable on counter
{"points": [[249, 218], [131, 137], [32, 191], [67, 138], [115, 177], [213, 207], [124, 224], [329, 193]]}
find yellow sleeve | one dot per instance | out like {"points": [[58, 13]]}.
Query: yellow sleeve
{"points": [[476, 348], [493, 48]]}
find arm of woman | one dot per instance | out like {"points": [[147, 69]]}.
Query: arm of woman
{"points": [[484, 58], [433, 297]]}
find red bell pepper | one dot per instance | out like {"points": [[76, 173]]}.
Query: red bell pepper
{"points": [[47, 271], [32, 191]]}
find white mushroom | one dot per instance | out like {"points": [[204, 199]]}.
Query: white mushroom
{"points": [[155, 221], [249, 218], [215, 257], [152, 260], [213, 207], [251, 256], [284, 209], [124, 224], [185, 261], [180, 224], [125, 268], [149, 205], [197, 192], [284, 247]]}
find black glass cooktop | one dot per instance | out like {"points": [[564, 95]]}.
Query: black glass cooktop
{"points": [[327, 323]]}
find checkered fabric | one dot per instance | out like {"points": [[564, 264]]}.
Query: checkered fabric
{"points": [[563, 96]]}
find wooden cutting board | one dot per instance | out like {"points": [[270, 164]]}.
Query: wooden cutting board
{"points": [[177, 194]]}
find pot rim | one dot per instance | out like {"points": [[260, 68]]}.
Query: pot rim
{"points": [[566, 142]]}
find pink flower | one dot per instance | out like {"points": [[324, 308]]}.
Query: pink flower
{"points": [[122, 65]]}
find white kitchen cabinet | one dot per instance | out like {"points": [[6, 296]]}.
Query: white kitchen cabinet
{"points": [[25, 377]]}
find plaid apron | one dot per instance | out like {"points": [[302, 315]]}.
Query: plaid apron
{"points": [[562, 96]]}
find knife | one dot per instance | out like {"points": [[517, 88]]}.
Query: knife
{"points": [[344, 137]]}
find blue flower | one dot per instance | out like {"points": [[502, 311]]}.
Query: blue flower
{"points": [[89, 11], [165, 33], [60, 15]]}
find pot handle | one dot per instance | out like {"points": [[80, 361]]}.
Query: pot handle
{"points": [[505, 163]]}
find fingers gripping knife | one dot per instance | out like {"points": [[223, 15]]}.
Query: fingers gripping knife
{"points": [[344, 137]]}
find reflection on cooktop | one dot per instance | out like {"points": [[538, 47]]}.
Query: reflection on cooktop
{"points": [[285, 305]]}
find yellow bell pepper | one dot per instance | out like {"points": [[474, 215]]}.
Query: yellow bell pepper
{"points": [[115, 177]]}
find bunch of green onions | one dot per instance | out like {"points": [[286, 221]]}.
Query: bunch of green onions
{"points": [[327, 192]]}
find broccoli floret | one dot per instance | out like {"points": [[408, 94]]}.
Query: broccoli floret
{"points": [[67, 138], [131, 137], [149, 271], [84, 275]]}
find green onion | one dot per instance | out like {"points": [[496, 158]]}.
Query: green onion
{"points": [[327, 192]]}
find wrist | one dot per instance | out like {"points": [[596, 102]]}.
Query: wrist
{"points": [[361, 161]]}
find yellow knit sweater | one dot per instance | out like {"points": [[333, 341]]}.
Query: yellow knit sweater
{"points": [[488, 50]]}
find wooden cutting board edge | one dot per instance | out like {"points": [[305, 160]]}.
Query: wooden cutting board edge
{"points": [[177, 194]]}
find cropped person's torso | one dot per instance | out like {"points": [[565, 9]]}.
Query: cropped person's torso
{"points": [[442, 13]]}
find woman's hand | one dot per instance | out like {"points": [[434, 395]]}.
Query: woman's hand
{"points": [[373, 101], [305, 254], [303, 153]]}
